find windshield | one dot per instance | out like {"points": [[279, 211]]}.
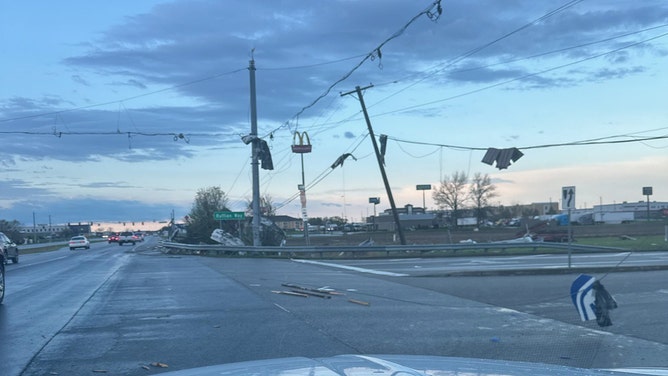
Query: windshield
{"points": [[192, 183]]}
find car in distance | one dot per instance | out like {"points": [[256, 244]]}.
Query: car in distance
{"points": [[9, 249], [126, 237], [113, 238], [79, 242]]}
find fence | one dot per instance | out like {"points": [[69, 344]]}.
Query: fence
{"points": [[366, 251]]}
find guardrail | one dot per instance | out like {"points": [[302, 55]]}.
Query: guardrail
{"points": [[387, 250]]}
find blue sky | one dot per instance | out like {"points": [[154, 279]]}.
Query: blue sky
{"points": [[92, 94]]}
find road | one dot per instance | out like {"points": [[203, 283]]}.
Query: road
{"points": [[542, 263], [118, 310]]}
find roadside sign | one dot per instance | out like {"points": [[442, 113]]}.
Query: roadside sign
{"points": [[423, 187], [646, 191], [226, 216], [568, 198], [583, 296]]}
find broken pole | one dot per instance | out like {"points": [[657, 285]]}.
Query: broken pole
{"points": [[381, 165]]}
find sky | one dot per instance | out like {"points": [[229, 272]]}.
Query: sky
{"points": [[117, 111]]}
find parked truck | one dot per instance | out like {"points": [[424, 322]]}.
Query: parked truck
{"points": [[614, 217]]}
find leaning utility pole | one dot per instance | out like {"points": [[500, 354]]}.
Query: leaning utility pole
{"points": [[254, 153], [358, 90]]}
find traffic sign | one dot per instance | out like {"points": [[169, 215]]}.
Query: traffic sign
{"points": [[423, 187], [583, 296], [568, 198], [225, 216]]}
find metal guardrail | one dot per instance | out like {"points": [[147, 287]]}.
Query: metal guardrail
{"points": [[296, 251]]}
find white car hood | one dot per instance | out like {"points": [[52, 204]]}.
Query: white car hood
{"points": [[398, 365]]}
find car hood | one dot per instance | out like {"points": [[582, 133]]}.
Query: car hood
{"points": [[398, 365]]}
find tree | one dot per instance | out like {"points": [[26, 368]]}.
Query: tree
{"points": [[481, 191], [451, 194], [200, 222], [266, 206], [12, 230]]}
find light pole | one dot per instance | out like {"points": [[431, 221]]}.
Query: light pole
{"points": [[302, 148]]}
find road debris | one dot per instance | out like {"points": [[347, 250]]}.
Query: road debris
{"points": [[292, 293], [359, 302], [324, 292]]}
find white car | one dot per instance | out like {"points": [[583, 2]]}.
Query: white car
{"points": [[79, 242]]}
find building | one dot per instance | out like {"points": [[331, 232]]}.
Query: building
{"points": [[640, 209], [410, 217], [44, 230], [286, 223]]}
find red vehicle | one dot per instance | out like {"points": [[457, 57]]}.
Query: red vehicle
{"points": [[113, 238]]}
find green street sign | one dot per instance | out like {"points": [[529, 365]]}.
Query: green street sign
{"points": [[226, 216], [423, 187]]}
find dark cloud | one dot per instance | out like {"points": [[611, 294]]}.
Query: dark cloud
{"points": [[80, 80], [201, 49]]}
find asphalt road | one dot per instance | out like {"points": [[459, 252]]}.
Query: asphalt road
{"points": [[127, 310]]}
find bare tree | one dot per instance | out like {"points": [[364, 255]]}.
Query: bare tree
{"points": [[267, 208], [451, 194], [481, 192]]}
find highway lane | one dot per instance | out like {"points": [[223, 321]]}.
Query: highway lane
{"points": [[446, 265], [44, 291], [119, 310]]}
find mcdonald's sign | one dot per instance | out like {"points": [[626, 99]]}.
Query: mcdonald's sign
{"points": [[301, 147]]}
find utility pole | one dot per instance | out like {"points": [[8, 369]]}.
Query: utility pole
{"points": [[254, 163], [358, 90]]}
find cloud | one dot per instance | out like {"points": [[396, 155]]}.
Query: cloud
{"points": [[63, 210], [80, 80], [130, 82]]}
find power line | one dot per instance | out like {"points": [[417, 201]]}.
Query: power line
{"points": [[542, 54], [519, 78], [119, 101], [596, 141], [433, 12]]}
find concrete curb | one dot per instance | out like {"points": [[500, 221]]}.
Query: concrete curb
{"points": [[546, 271]]}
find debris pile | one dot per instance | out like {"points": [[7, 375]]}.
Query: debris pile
{"points": [[321, 292]]}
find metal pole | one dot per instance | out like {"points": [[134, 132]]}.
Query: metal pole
{"points": [[254, 163], [304, 217], [358, 90], [34, 228], [570, 238]]}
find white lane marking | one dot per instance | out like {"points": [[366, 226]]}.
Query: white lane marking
{"points": [[281, 307], [353, 268]]}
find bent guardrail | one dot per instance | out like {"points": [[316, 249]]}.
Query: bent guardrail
{"points": [[387, 250]]}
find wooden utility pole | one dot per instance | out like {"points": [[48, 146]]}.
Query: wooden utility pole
{"points": [[358, 90], [254, 154]]}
